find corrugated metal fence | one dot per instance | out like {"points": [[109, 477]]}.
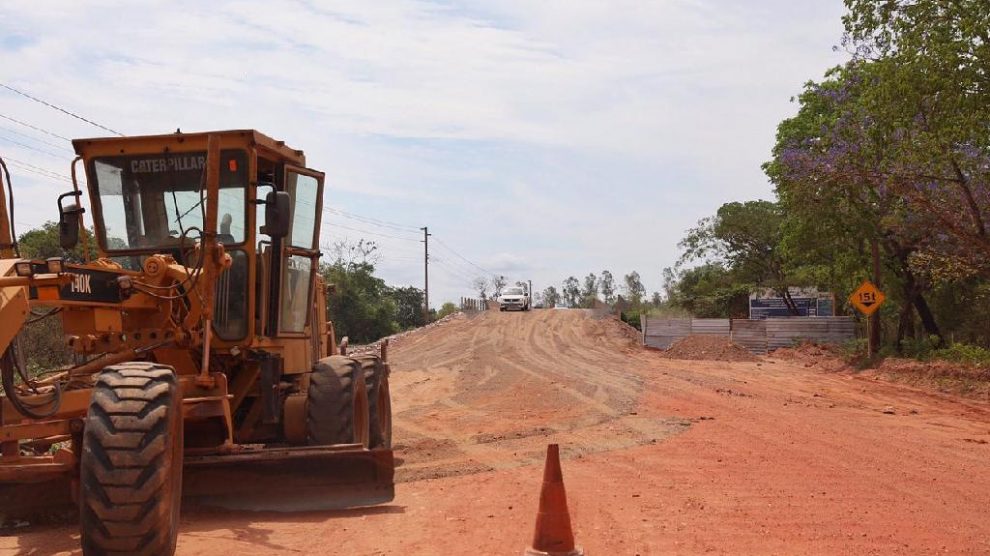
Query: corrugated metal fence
{"points": [[660, 333], [750, 334], [758, 336], [825, 330]]}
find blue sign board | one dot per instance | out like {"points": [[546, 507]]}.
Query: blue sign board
{"points": [[764, 307]]}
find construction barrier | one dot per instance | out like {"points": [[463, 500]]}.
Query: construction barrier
{"points": [[473, 304], [757, 335]]}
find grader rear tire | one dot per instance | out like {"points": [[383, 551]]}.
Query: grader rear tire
{"points": [[131, 461], [379, 401], [337, 405]]}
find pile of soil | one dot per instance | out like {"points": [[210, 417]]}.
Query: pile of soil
{"points": [[621, 329], [823, 356], [708, 348], [401, 337], [945, 376]]}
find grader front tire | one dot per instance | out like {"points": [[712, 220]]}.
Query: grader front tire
{"points": [[337, 408], [131, 462], [379, 401]]}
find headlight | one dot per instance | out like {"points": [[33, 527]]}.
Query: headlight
{"points": [[23, 268], [55, 265]]}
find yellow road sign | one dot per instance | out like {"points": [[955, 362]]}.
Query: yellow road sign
{"points": [[867, 298]]}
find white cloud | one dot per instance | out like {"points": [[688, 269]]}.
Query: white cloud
{"points": [[587, 135]]}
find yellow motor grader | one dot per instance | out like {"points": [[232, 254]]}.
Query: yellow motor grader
{"points": [[205, 367]]}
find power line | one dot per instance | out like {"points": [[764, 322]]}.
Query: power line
{"points": [[26, 136], [462, 257], [36, 128], [374, 221], [457, 266], [331, 225], [38, 169], [60, 109], [453, 271], [36, 149]]}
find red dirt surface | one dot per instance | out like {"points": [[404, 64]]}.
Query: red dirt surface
{"points": [[660, 456], [707, 348]]}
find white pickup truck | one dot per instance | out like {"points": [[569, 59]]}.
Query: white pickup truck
{"points": [[514, 298]]}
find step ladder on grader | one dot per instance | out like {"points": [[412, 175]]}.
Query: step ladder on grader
{"points": [[206, 367]]}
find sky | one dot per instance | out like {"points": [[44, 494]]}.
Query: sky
{"points": [[537, 140]]}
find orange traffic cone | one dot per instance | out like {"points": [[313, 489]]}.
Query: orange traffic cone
{"points": [[553, 536]]}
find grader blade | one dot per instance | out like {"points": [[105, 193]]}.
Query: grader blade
{"points": [[33, 500], [293, 479]]}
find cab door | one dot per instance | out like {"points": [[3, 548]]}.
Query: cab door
{"points": [[300, 251]]}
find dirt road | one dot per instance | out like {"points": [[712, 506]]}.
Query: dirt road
{"points": [[662, 456]]}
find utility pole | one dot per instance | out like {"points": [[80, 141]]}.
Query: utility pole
{"points": [[873, 321], [426, 273]]}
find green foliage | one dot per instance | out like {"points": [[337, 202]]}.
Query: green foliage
{"points": [[964, 353], [746, 238], [606, 284], [571, 292], [409, 303], [42, 343], [634, 287], [551, 298], [632, 318], [42, 243], [360, 306], [589, 290], [447, 308], [709, 291]]}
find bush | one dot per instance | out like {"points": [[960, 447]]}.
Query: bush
{"points": [[964, 353], [631, 317], [447, 308]]}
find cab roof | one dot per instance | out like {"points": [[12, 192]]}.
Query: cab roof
{"points": [[178, 141]]}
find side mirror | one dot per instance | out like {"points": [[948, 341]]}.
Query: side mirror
{"points": [[68, 221], [278, 212]]}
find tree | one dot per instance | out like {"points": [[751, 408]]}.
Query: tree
{"points": [[928, 97], [480, 285], [408, 302], [571, 292], [589, 290], [447, 308], [348, 252], [606, 284], [708, 291], [746, 237], [839, 173], [360, 305], [634, 288], [498, 284], [551, 297], [656, 299], [43, 242]]}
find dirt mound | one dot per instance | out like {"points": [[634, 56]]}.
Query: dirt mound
{"points": [[810, 354], [708, 348], [401, 337], [944, 376], [620, 329]]}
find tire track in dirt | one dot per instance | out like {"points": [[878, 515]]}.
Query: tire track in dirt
{"points": [[515, 391]]}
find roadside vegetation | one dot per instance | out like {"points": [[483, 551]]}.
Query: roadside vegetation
{"points": [[363, 307], [892, 148]]}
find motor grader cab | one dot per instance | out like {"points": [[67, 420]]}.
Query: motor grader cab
{"points": [[205, 365]]}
